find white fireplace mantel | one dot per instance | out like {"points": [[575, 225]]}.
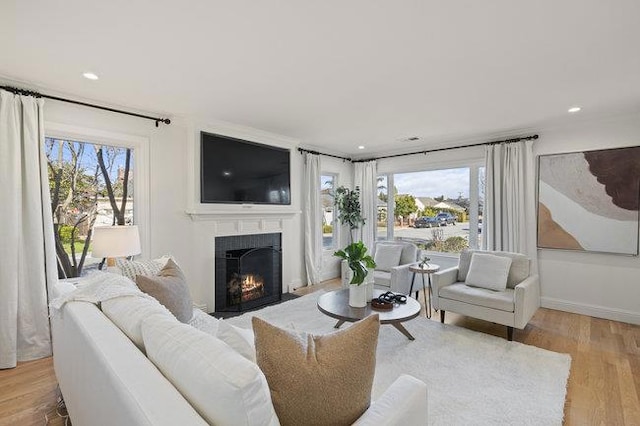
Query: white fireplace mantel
{"points": [[239, 221], [243, 212]]}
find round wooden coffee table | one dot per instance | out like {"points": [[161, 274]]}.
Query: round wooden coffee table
{"points": [[336, 305]]}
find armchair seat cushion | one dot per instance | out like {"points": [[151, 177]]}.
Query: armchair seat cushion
{"points": [[500, 300]]}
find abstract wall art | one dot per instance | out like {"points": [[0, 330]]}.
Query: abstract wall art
{"points": [[588, 201]]}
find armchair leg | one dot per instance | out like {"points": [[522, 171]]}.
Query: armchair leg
{"points": [[509, 333], [441, 316]]}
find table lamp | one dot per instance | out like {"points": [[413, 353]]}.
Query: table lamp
{"points": [[115, 241]]}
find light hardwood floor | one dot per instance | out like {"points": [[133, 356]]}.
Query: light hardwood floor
{"points": [[603, 389]]}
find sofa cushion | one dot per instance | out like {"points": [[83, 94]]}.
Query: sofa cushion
{"points": [[488, 271], [128, 312], [518, 272], [387, 256], [239, 339], [318, 380], [224, 387], [500, 300], [170, 288]]}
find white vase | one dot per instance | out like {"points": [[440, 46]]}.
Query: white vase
{"points": [[369, 283], [358, 295], [347, 275]]}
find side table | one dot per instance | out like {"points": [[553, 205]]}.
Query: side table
{"points": [[427, 270]]}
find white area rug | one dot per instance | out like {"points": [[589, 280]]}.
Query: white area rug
{"points": [[472, 378]]}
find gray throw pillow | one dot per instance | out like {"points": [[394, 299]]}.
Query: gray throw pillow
{"points": [[170, 288]]}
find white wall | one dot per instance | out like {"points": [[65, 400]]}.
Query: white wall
{"points": [[600, 285]]}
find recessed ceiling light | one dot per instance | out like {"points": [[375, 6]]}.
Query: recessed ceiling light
{"points": [[226, 173], [90, 76], [361, 147], [574, 109]]}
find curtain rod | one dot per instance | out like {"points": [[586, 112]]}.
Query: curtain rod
{"points": [[302, 151], [524, 138], [24, 92]]}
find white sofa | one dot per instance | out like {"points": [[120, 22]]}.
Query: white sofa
{"points": [[106, 380]]}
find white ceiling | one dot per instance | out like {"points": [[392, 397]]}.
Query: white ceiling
{"points": [[336, 73]]}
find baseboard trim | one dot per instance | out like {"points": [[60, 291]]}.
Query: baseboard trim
{"points": [[591, 310]]}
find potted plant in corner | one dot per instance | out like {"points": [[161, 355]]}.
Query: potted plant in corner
{"points": [[355, 254], [348, 206]]}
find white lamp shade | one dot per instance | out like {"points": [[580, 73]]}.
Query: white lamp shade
{"points": [[115, 241]]}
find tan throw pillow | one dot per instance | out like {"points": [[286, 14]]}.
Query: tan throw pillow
{"points": [[318, 380], [170, 288]]}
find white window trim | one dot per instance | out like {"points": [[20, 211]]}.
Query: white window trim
{"points": [[140, 145]]}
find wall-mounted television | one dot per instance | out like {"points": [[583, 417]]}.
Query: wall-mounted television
{"points": [[236, 171]]}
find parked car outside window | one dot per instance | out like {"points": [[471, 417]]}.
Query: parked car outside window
{"points": [[426, 222], [445, 219]]}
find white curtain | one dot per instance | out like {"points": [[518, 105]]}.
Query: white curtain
{"points": [[365, 175], [312, 219], [509, 217], [27, 254]]}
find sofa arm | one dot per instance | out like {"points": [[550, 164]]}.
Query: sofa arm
{"points": [[441, 279], [403, 403], [527, 300], [401, 279]]}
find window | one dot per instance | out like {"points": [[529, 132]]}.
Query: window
{"points": [[327, 186], [90, 185], [438, 209], [383, 198]]}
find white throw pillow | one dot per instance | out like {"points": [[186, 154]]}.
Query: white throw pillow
{"points": [[224, 387], [128, 312], [488, 271], [387, 256], [240, 339], [131, 268]]}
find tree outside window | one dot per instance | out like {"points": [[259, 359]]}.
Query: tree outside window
{"points": [[327, 186], [90, 185]]}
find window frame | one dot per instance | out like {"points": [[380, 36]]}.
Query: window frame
{"points": [[140, 145], [472, 163]]}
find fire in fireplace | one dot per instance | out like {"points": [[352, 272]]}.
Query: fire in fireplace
{"points": [[248, 271], [243, 288]]}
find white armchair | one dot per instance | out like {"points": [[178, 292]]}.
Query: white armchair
{"points": [[392, 272], [513, 307]]}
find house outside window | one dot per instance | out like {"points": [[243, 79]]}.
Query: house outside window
{"points": [[329, 230]]}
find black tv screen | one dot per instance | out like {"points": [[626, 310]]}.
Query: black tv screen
{"points": [[238, 171]]}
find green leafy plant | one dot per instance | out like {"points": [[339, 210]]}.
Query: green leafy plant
{"points": [[358, 260], [348, 204]]}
